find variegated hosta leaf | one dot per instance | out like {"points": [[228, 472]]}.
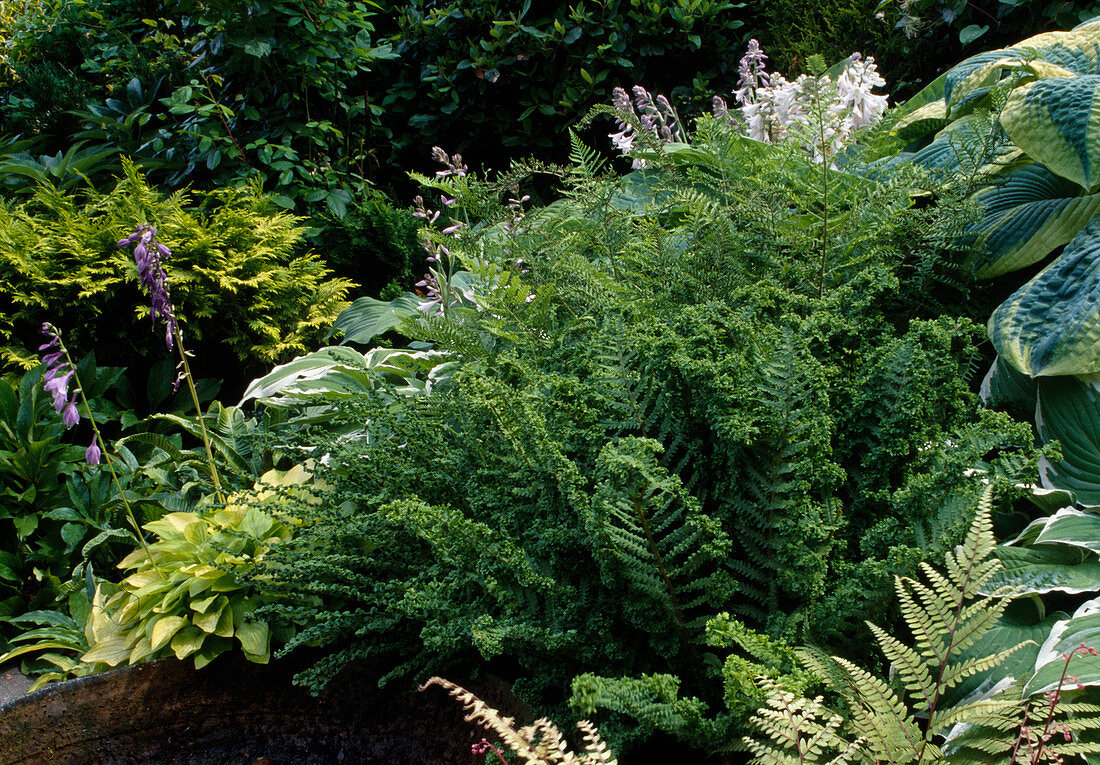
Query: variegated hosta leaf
{"points": [[1073, 527], [1067, 634], [963, 147], [1012, 68], [1057, 122], [1051, 325], [1026, 213], [1069, 412], [1049, 567], [920, 122], [1049, 54], [1005, 384]]}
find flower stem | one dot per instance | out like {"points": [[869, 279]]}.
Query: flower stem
{"points": [[110, 460], [198, 411]]}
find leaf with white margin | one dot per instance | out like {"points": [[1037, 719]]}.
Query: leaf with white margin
{"points": [[1073, 527], [1069, 412], [1067, 634], [1020, 624]]}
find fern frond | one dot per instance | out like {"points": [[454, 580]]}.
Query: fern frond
{"points": [[540, 743], [798, 730]]}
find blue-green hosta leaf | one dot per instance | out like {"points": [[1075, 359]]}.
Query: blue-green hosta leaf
{"points": [[1005, 384], [1051, 325], [1069, 412], [367, 317], [1047, 568], [1066, 635], [1026, 213], [1057, 122]]}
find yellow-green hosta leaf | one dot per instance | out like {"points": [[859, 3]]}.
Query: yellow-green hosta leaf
{"points": [[164, 630], [1069, 412], [112, 650], [1057, 122], [207, 621], [1026, 213], [1051, 325], [187, 641], [255, 640]]}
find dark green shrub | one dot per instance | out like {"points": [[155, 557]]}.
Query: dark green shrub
{"points": [[717, 385], [374, 245], [500, 79]]}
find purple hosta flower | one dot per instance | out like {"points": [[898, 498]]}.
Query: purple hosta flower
{"points": [[69, 415], [93, 454], [752, 74], [721, 111], [149, 254], [453, 162], [58, 374], [422, 212]]}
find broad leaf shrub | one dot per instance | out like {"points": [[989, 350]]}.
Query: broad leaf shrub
{"points": [[733, 382], [245, 293]]}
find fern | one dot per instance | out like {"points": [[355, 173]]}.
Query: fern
{"points": [[946, 615], [799, 731], [538, 744]]}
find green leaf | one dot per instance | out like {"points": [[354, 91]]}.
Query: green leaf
{"points": [[1004, 384], [1046, 568], [1026, 213], [1051, 325], [1056, 120], [367, 317], [255, 640], [1069, 412], [1066, 635], [971, 33]]}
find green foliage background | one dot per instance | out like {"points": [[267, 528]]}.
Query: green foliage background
{"points": [[245, 295]]}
